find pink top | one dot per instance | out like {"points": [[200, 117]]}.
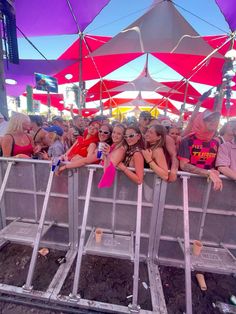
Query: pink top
{"points": [[18, 149]]}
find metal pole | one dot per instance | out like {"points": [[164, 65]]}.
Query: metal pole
{"points": [[101, 103], [73, 295], [81, 85], [28, 284], [49, 105], [134, 308], [3, 96], [204, 207], [188, 288], [160, 214], [3, 186], [166, 106], [182, 110], [114, 208]]}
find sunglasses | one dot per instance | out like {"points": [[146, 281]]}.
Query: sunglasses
{"points": [[130, 136], [104, 132]]}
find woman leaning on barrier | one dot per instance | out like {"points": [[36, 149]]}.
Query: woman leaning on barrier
{"points": [[133, 155], [114, 154], [154, 154], [80, 148], [104, 136], [17, 142]]}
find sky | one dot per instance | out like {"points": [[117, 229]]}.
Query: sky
{"points": [[204, 16]]}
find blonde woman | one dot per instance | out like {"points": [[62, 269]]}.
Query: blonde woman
{"points": [[16, 142], [112, 156], [115, 153]]}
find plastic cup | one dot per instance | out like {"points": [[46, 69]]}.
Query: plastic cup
{"points": [[201, 282], [197, 247], [98, 235]]}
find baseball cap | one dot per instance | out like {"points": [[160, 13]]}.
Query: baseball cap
{"points": [[55, 129], [57, 118]]}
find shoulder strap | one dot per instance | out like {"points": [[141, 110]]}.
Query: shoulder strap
{"points": [[36, 134], [13, 143]]}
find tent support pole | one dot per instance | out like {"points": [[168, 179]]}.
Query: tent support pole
{"points": [[3, 97]]}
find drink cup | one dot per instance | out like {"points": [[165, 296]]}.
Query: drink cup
{"points": [[100, 149], [197, 247], [98, 235], [201, 282]]}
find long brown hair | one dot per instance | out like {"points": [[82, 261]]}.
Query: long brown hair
{"points": [[160, 130], [140, 143], [134, 148]]}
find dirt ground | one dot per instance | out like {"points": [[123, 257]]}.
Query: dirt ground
{"points": [[108, 280]]}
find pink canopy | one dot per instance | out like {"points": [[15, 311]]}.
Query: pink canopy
{"points": [[101, 90], [91, 68], [209, 74], [56, 100], [192, 94]]}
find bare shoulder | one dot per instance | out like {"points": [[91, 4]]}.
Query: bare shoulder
{"points": [[7, 138]]}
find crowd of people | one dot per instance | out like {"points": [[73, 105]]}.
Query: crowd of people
{"points": [[131, 146]]}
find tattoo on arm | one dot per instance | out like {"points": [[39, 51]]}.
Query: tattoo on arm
{"points": [[193, 169]]}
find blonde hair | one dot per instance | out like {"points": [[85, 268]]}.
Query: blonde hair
{"points": [[16, 123], [55, 137]]}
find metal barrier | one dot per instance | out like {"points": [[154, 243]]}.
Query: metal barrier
{"points": [[155, 222], [194, 211]]}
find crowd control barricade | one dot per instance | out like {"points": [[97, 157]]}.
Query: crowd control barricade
{"points": [[194, 211], [42, 210], [36, 210], [155, 222]]}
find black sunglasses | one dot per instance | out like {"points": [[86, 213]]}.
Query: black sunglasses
{"points": [[131, 135], [104, 132]]}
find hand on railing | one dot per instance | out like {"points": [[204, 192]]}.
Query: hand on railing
{"points": [[213, 175], [172, 176], [106, 149]]}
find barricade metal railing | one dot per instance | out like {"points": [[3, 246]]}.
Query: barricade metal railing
{"points": [[155, 222]]}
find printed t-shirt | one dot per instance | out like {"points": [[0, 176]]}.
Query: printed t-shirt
{"points": [[198, 152]]}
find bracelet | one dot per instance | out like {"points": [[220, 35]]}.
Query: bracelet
{"points": [[148, 162]]}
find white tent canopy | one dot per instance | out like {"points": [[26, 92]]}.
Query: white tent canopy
{"points": [[161, 29], [144, 82]]}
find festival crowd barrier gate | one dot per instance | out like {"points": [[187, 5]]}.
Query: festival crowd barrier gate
{"points": [[154, 222]]}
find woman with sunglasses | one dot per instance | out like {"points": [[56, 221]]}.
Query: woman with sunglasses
{"points": [[104, 136], [154, 154], [133, 156]]}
